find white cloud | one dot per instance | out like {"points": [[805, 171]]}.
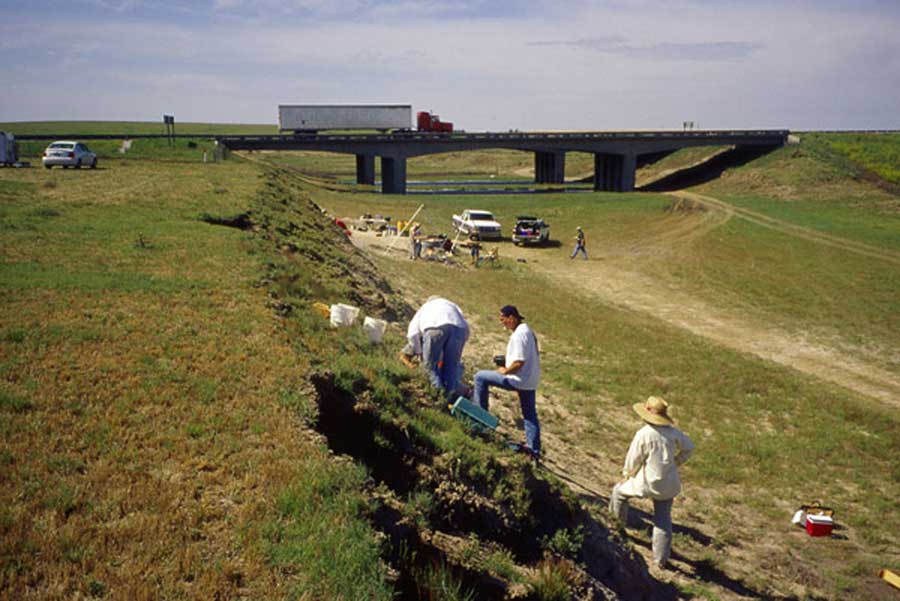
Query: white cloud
{"points": [[634, 65]]}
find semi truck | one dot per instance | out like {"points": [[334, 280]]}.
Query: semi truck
{"points": [[312, 118], [427, 121]]}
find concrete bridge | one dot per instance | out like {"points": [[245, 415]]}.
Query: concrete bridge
{"points": [[617, 155]]}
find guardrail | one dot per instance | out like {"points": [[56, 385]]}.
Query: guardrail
{"points": [[423, 136]]}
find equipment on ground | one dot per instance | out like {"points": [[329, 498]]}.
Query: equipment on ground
{"points": [[890, 577], [473, 414], [312, 118]]}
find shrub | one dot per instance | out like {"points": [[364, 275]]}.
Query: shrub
{"points": [[565, 542], [550, 581]]}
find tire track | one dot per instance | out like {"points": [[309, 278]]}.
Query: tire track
{"points": [[613, 281], [859, 248]]}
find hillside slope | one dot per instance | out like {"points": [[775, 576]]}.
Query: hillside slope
{"points": [[178, 422]]}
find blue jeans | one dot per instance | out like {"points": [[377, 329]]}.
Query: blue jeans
{"points": [[662, 523], [579, 247], [444, 343], [486, 378]]}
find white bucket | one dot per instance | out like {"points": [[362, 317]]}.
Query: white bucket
{"points": [[343, 315], [375, 329]]}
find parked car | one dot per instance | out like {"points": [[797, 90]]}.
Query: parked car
{"points": [[478, 222], [69, 154], [530, 230]]}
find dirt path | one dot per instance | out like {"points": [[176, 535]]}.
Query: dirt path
{"points": [[612, 280], [845, 244]]}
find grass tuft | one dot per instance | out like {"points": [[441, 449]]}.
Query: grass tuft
{"points": [[13, 403]]}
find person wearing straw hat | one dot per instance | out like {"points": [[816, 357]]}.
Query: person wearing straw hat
{"points": [[651, 471]]}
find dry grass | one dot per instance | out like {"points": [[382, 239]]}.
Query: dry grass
{"points": [[153, 441]]}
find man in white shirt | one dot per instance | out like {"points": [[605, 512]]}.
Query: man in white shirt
{"points": [[521, 372], [437, 333], [651, 470]]}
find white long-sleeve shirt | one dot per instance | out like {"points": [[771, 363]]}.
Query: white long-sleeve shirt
{"points": [[435, 313], [651, 465]]}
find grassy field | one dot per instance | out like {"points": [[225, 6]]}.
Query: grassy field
{"points": [[878, 153], [167, 400], [170, 405], [148, 398], [191, 150]]}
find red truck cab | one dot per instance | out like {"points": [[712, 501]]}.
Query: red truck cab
{"points": [[425, 121]]}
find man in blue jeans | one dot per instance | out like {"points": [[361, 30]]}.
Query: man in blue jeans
{"points": [[579, 243], [438, 332], [521, 372]]}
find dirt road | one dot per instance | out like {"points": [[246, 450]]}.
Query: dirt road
{"points": [[614, 280]]}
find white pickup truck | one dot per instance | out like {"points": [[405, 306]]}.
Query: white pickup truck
{"points": [[480, 222]]}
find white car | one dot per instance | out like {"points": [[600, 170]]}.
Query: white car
{"points": [[69, 154]]}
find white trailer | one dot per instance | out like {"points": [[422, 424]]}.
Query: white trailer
{"points": [[310, 118]]}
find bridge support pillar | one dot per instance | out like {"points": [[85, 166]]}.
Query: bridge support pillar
{"points": [[549, 167], [614, 172], [393, 175], [365, 169]]}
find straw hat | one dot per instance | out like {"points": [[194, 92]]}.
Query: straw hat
{"points": [[654, 411]]}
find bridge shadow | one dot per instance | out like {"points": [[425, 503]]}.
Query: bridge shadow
{"points": [[702, 570], [708, 170]]}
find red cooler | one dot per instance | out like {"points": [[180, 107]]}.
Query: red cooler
{"points": [[819, 525]]}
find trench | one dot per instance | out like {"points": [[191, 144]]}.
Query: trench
{"points": [[241, 221], [398, 460], [392, 459]]}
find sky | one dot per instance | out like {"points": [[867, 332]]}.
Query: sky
{"points": [[486, 65]]}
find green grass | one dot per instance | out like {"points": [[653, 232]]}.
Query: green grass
{"points": [[878, 153], [802, 285], [146, 375], [868, 226], [480, 165], [136, 337], [321, 528]]}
